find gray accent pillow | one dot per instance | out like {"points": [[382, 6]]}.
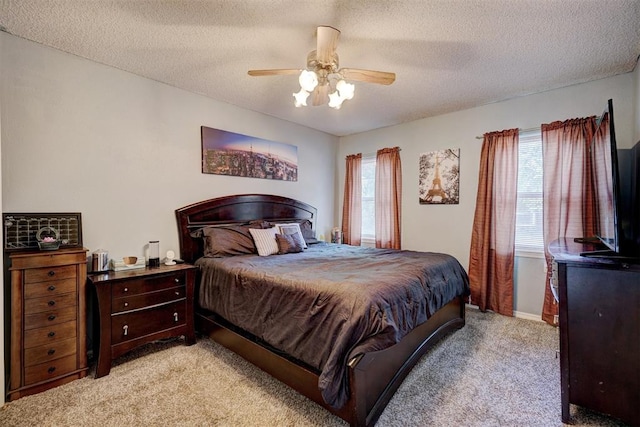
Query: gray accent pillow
{"points": [[289, 243]]}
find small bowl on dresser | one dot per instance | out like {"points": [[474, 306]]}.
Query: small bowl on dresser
{"points": [[130, 261]]}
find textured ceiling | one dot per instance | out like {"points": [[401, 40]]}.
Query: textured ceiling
{"points": [[448, 55]]}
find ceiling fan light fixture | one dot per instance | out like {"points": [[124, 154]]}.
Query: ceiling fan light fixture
{"points": [[301, 98], [323, 74], [308, 80]]}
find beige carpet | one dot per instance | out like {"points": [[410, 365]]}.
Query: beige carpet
{"points": [[496, 371]]}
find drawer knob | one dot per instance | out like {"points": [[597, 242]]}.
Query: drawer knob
{"points": [[52, 302], [126, 330], [51, 334], [52, 288], [175, 317], [177, 280], [51, 273], [177, 293], [126, 289], [52, 317], [51, 370], [126, 304], [51, 351]]}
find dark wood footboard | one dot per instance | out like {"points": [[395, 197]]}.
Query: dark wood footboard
{"points": [[373, 377]]}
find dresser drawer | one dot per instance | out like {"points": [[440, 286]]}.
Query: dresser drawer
{"points": [[51, 317], [46, 353], [147, 284], [134, 302], [35, 275], [136, 324], [37, 305], [50, 334], [48, 370], [43, 289]]}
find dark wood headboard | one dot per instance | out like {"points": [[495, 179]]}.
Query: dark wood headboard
{"points": [[237, 209]]}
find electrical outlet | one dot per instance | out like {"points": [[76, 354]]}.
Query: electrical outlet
{"points": [[555, 319]]}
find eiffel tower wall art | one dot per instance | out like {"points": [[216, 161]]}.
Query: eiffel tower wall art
{"points": [[439, 182]]}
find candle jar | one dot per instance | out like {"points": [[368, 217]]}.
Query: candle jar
{"points": [[154, 253]]}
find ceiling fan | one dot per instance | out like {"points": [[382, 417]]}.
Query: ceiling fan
{"points": [[322, 79]]}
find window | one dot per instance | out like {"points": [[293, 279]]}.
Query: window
{"points": [[529, 234], [368, 170]]}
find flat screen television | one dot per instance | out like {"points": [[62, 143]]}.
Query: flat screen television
{"points": [[606, 186]]}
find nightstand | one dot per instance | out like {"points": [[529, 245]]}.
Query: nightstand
{"points": [[138, 306]]}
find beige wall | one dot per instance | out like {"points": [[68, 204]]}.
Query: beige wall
{"points": [[448, 228], [125, 151]]}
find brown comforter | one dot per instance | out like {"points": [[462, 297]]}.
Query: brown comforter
{"points": [[330, 302]]}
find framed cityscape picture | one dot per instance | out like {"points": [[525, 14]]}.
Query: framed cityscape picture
{"points": [[228, 153], [439, 178]]}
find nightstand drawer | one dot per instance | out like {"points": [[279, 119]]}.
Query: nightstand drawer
{"points": [[147, 284], [43, 289], [52, 317], [37, 305], [136, 324], [35, 275], [48, 370], [46, 353], [52, 333], [134, 302]]}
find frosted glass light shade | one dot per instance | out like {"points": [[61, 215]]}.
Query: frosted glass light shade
{"points": [[301, 98], [335, 100], [346, 90]]}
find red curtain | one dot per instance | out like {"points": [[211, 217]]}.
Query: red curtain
{"points": [[568, 204], [352, 205], [388, 196], [491, 265]]}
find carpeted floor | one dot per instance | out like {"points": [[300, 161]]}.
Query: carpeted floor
{"points": [[496, 371]]}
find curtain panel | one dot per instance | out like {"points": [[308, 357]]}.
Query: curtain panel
{"points": [[491, 261], [352, 204], [388, 196], [568, 202]]}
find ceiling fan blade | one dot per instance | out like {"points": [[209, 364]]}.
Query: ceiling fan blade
{"points": [[369, 76], [320, 95], [276, 72], [327, 44]]}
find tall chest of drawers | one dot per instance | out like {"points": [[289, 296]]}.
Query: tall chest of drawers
{"points": [[48, 320]]}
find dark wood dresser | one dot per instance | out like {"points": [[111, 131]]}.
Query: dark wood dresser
{"points": [[48, 320], [599, 332], [138, 306]]}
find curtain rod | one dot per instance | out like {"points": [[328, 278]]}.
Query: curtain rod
{"points": [[519, 130], [531, 129], [374, 153]]}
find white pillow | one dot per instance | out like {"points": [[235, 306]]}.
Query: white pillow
{"points": [[292, 228], [265, 240]]}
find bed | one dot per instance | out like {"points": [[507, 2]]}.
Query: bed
{"points": [[280, 311]]}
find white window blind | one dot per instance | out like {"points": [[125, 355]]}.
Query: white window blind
{"points": [[529, 234], [368, 171]]}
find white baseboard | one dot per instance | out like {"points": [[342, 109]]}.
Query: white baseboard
{"points": [[518, 314], [528, 316]]}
